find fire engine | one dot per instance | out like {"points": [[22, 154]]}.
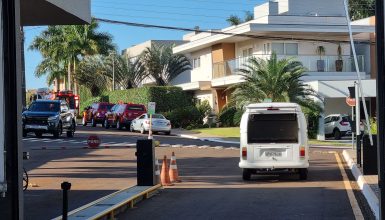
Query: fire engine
{"points": [[72, 100]]}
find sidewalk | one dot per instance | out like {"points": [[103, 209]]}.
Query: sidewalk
{"points": [[367, 183], [204, 137]]}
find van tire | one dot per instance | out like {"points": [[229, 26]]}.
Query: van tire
{"points": [[246, 175], [337, 134], [303, 174]]}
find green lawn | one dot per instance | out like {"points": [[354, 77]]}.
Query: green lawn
{"points": [[232, 132], [330, 143]]}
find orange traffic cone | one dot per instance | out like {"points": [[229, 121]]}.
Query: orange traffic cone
{"points": [[157, 171], [174, 176], [164, 177]]}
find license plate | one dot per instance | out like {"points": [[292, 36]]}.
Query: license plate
{"points": [[36, 127], [273, 154]]}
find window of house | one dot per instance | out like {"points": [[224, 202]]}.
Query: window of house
{"points": [[291, 48], [247, 52], [285, 48], [196, 62], [266, 48]]}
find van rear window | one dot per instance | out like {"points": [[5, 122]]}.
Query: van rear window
{"points": [[272, 128]]}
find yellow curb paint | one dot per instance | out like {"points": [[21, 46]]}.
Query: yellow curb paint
{"points": [[352, 199]]}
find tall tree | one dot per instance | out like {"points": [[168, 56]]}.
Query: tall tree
{"points": [[69, 44], [163, 65], [278, 80], [96, 73], [234, 20]]}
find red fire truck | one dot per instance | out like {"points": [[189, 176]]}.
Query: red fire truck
{"points": [[72, 100]]}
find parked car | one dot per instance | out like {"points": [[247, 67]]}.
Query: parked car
{"points": [[273, 140], [121, 115], [48, 116], [337, 126], [96, 113], [159, 124]]}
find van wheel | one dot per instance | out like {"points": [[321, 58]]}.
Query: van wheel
{"points": [[93, 122], [303, 174], [337, 134], [106, 124], [246, 175]]}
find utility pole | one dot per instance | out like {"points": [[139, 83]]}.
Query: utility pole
{"points": [[380, 38]]}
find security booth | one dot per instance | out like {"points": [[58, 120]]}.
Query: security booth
{"points": [[13, 15]]}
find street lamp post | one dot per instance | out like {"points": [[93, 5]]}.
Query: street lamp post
{"points": [[380, 37]]}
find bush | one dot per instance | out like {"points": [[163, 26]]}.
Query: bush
{"points": [[84, 93], [312, 116], [227, 115], [204, 108], [184, 117], [167, 98]]}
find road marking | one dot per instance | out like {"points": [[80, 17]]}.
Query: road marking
{"points": [[352, 199]]}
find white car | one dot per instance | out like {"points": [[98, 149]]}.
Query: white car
{"points": [[274, 140], [337, 126], [159, 124]]}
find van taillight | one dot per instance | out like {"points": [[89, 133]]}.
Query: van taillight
{"points": [[244, 153], [302, 152]]}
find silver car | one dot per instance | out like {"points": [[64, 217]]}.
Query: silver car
{"points": [[159, 124]]}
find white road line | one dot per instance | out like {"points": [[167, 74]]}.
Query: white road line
{"points": [[353, 202]]}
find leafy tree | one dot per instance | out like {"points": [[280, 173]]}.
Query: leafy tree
{"points": [[163, 65], [359, 9], [275, 79], [66, 46], [96, 73], [249, 16], [234, 20]]}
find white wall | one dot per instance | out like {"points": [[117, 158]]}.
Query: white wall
{"points": [[321, 7], [206, 95], [336, 106], [204, 72]]}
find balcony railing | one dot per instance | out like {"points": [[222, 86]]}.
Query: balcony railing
{"points": [[230, 67]]}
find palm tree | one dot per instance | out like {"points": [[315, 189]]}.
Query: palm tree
{"points": [[278, 80], [95, 72], [163, 65], [234, 20], [69, 44]]}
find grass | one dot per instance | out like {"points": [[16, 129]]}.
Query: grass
{"points": [[232, 132]]}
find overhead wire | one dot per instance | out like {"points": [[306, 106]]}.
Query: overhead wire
{"points": [[142, 25]]}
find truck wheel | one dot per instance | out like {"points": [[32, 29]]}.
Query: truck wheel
{"points": [[337, 134], [71, 132], [58, 131], [246, 175], [303, 174]]}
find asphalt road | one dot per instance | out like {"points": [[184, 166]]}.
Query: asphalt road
{"points": [[212, 187]]}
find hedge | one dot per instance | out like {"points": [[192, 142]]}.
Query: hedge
{"points": [[167, 98]]}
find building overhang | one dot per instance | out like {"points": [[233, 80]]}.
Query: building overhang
{"points": [[310, 32], [339, 89], [55, 12], [199, 85]]}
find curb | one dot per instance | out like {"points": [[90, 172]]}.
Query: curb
{"points": [[368, 193], [218, 140]]}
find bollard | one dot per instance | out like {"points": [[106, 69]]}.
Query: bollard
{"points": [[65, 186]]}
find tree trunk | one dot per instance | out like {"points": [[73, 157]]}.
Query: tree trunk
{"points": [[75, 81], [69, 75]]}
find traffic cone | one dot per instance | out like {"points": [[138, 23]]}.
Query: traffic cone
{"points": [[164, 176], [174, 176], [157, 171]]}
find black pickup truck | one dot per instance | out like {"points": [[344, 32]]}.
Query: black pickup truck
{"points": [[48, 116]]}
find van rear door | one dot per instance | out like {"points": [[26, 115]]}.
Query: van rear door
{"points": [[273, 136]]}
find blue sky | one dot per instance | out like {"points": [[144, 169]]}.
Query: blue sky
{"points": [[207, 14]]}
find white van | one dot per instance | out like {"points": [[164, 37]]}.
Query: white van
{"points": [[274, 140]]}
